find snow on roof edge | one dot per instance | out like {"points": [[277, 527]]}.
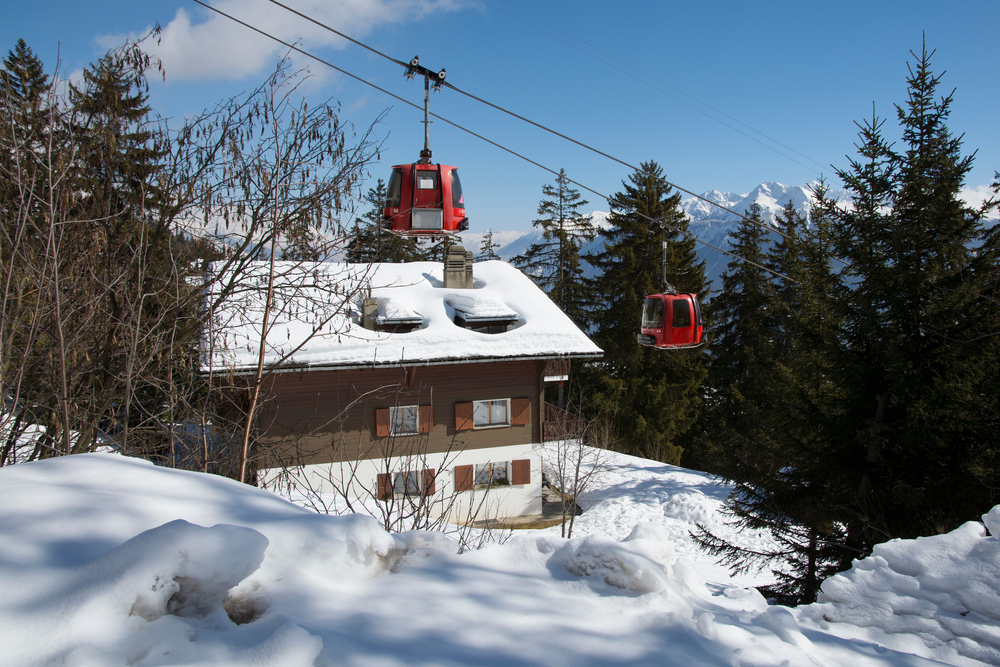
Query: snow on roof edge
{"points": [[400, 363]]}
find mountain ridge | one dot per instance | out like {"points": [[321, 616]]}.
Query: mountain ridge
{"points": [[707, 222]]}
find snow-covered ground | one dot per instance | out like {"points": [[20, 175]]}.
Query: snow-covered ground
{"points": [[106, 560]]}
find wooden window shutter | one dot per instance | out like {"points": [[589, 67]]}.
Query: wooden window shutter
{"points": [[463, 478], [426, 418], [382, 423], [463, 416], [520, 411], [429, 478], [384, 486], [521, 471]]}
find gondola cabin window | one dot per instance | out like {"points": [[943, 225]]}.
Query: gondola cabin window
{"points": [[457, 198], [681, 315], [652, 313], [427, 180], [394, 191]]}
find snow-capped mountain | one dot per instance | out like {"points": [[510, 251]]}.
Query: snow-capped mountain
{"points": [[709, 223]]}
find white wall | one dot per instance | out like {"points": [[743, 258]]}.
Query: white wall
{"points": [[360, 479]]}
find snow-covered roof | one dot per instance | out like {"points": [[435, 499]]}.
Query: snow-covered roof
{"points": [[392, 310], [317, 318], [479, 308]]}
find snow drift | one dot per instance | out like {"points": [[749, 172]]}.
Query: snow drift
{"points": [[106, 560]]}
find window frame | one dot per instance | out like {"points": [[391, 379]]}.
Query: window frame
{"points": [[495, 470], [409, 483], [489, 411], [396, 409], [385, 420]]}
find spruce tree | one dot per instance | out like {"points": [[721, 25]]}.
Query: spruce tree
{"points": [[23, 76], [24, 94], [488, 248], [759, 426], [652, 395], [743, 359], [554, 263], [910, 421]]}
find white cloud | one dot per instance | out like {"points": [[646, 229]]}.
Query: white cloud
{"points": [[209, 46], [974, 196]]}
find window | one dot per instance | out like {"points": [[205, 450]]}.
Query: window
{"points": [[490, 329], [394, 195], [404, 420], [652, 313], [491, 474], [427, 180], [406, 483], [490, 413], [457, 200], [682, 314]]}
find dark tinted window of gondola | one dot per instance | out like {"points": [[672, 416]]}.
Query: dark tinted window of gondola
{"points": [[393, 192], [682, 313], [457, 199]]}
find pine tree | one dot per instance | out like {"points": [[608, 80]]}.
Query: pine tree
{"points": [[652, 395], [760, 426], [24, 92], [23, 76], [488, 248], [910, 421], [554, 263], [744, 358]]}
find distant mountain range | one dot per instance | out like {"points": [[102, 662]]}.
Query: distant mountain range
{"points": [[708, 223]]}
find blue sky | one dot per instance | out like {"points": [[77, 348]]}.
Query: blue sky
{"points": [[724, 95]]}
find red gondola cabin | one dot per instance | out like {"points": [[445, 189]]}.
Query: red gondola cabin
{"points": [[424, 200], [671, 321]]}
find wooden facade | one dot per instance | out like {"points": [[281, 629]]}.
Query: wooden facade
{"points": [[323, 416]]}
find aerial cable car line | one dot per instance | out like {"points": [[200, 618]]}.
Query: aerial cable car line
{"points": [[498, 108], [501, 147], [439, 82], [646, 83]]}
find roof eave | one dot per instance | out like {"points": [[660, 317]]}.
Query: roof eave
{"points": [[401, 363]]}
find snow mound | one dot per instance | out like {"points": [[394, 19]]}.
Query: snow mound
{"points": [[614, 563], [941, 591], [179, 568]]}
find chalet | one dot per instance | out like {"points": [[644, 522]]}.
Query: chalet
{"points": [[390, 380]]}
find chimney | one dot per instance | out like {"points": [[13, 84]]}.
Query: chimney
{"points": [[369, 306], [458, 268]]}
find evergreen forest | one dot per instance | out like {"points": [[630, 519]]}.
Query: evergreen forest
{"points": [[847, 384]]}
